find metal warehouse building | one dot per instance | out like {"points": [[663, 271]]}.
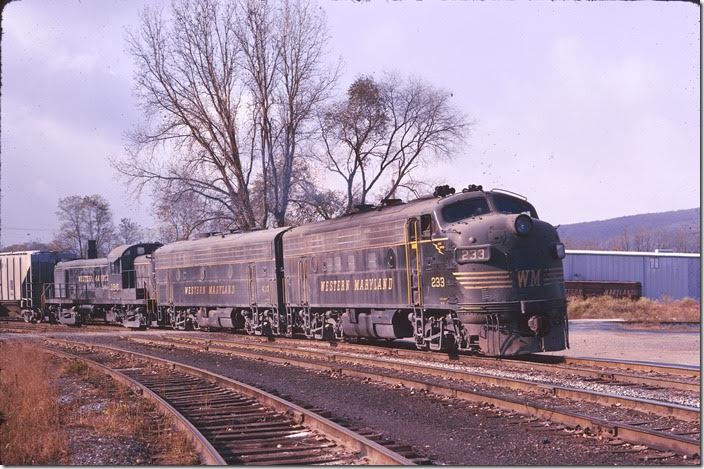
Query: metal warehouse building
{"points": [[660, 273]]}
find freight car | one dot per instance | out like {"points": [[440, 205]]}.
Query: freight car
{"points": [[102, 289], [22, 275], [591, 288]]}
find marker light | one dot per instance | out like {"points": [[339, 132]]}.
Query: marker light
{"points": [[558, 251]]}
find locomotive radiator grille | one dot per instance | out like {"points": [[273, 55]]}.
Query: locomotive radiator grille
{"points": [[479, 280]]}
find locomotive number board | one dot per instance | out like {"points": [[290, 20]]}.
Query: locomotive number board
{"points": [[473, 254]]}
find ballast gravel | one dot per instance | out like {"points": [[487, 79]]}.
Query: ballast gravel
{"points": [[445, 430], [563, 380]]}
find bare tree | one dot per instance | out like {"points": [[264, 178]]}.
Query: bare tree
{"points": [[310, 202], [82, 218], [384, 131], [180, 214], [34, 245], [230, 88], [643, 240], [129, 231]]}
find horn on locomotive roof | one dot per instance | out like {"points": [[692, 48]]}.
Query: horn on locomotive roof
{"points": [[472, 188], [361, 208], [390, 201], [206, 234], [443, 191]]}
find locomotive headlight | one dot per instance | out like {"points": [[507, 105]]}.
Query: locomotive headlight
{"points": [[558, 251], [523, 225]]}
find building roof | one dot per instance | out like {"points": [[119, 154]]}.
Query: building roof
{"points": [[634, 253]]}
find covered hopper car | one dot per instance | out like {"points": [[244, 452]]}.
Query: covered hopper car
{"points": [[22, 276]]}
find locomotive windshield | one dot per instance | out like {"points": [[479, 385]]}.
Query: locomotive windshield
{"points": [[466, 208], [507, 204]]}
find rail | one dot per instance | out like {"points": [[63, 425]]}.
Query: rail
{"points": [[632, 433], [362, 446], [207, 453]]}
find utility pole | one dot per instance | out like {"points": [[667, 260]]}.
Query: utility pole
{"points": [[3, 4]]}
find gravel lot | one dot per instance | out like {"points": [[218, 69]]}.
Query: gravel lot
{"points": [[670, 344]]}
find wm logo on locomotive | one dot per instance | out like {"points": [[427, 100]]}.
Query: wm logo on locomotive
{"points": [[529, 278]]}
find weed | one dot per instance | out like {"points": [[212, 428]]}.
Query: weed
{"points": [[75, 367], [641, 310], [30, 431]]}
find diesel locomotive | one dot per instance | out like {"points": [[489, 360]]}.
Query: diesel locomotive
{"points": [[473, 271], [103, 289]]}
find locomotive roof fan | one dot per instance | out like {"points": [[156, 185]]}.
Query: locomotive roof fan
{"points": [[443, 191], [473, 188]]}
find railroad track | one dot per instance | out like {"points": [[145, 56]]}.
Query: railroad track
{"points": [[233, 423], [468, 371], [685, 372], [658, 425], [603, 371], [20, 326]]}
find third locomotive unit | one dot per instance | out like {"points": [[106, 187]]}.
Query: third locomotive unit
{"points": [[472, 271]]}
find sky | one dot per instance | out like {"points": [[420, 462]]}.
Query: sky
{"points": [[590, 109]]}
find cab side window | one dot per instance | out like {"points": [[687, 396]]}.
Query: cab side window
{"points": [[426, 226]]}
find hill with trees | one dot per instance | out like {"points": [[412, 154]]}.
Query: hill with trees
{"points": [[678, 230]]}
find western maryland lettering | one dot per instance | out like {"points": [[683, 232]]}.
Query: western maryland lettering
{"points": [[92, 278], [360, 284], [209, 290], [529, 278]]}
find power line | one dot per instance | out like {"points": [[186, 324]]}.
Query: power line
{"points": [[27, 229]]}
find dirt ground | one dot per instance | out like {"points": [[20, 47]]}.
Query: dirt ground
{"points": [[670, 344]]}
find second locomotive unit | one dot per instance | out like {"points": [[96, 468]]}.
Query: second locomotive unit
{"points": [[474, 271]]}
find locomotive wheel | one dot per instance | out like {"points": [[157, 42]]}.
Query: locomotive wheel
{"points": [[450, 344]]}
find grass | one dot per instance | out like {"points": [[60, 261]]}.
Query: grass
{"points": [[30, 432], [35, 427], [641, 310], [127, 415]]}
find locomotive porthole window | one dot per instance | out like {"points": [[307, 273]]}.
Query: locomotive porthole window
{"points": [[202, 273], [391, 259], [325, 266]]}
